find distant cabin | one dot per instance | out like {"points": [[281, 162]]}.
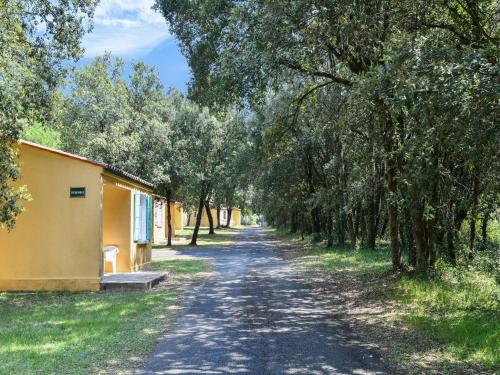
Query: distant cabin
{"points": [[160, 228], [78, 206], [235, 217]]}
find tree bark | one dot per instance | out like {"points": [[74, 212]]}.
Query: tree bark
{"points": [[198, 218], [431, 246], [475, 199], [229, 213], [329, 230], [316, 224], [484, 230], [211, 230], [169, 219], [302, 225], [371, 229], [218, 217], [351, 221], [412, 253], [294, 225], [422, 255], [392, 187], [392, 213], [450, 232]]}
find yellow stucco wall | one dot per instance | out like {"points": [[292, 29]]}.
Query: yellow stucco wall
{"points": [[204, 218], [118, 193], [178, 215], [55, 244], [235, 218]]}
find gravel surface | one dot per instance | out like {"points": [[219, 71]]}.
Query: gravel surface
{"points": [[256, 316]]}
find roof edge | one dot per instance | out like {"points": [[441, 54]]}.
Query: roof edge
{"points": [[107, 167], [62, 153]]}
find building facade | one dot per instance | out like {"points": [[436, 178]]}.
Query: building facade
{"points": [[77, 207]]}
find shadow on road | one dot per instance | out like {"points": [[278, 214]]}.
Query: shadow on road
{"points": [[255, 316]]}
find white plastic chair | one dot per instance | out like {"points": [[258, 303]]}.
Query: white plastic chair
{"points": [[110, 253]]}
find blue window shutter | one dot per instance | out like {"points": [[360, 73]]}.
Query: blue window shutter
{"points": [[148, 218], [137, 216]]}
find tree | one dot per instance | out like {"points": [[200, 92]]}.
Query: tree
{"points": [[383, 103], [36, 37]]}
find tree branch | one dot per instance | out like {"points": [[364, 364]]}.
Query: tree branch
{"points": [[315, 73]]}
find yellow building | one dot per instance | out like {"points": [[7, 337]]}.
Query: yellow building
{"points": [[160, 226], [235, 217], [78, 206]]}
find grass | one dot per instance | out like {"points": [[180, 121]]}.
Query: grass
{"points": [[361, 263], [81, 333], [222, 237], [458, 309], [180, 267]]}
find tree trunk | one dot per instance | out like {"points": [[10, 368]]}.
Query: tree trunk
{"points": [[316, 224], [392, 213], [329, 230], [211, 230], [412, 253], [450, 232], [341, 229], [294, 227], [392, 187], [475, 199], [484, 230], [301, 225], [351, 222], [431, 246], [422, 255], [371, 230], [341, 222], [229, 213], [198, 219], [218, 217], [169, 219]]}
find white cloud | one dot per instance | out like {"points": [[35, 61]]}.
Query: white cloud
{"points": [[125, 27]]}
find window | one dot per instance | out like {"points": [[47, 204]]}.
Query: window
{"points": [[142, 218], [159, 214]]}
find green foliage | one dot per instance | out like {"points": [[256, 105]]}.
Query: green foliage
{"points": [[249, 219], [370, 120], [42, 134], [35, 38]]}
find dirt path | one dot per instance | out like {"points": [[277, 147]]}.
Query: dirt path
{"points": [[256, 316]]}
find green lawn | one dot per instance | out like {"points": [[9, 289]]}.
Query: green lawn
{"points": [[81, 333], [459, 308], [222, 237]]}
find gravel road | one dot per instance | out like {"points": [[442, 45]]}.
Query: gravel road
{"points": [[256, 316]]}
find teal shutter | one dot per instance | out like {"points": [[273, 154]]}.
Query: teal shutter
{"points": [[149, 214], [137, 216]]}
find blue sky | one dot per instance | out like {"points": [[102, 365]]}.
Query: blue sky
{"points": [[132, 30]]}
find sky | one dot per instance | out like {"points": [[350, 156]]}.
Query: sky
{"points": [[133, 31]]}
